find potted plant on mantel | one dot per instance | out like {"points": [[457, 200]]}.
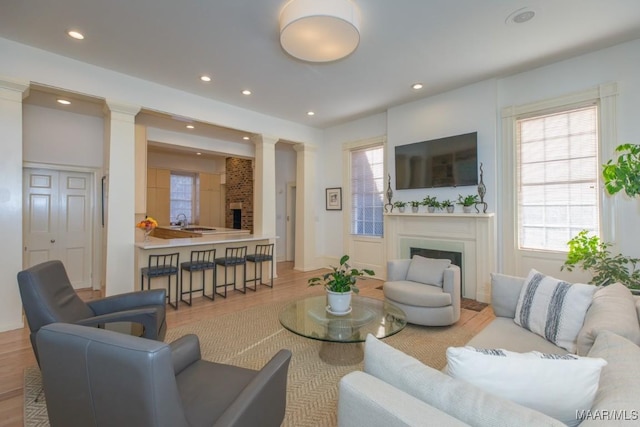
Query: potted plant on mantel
{"points": [[467, 202], [415, 205], [448, 205], [400, 205], [340, 283], [431, 203]]}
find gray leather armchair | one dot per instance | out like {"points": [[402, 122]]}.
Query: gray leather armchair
{"points": [[48, 297], [102, 378]]}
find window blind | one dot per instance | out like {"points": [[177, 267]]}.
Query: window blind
{"points": [[182, 196], [367, 188], [557, 177]]}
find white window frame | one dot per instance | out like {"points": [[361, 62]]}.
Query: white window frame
{"points": [[194, 213], [517, 261], [365, 251]]}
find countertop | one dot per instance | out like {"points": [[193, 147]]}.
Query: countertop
{"points": [[217, 238]]}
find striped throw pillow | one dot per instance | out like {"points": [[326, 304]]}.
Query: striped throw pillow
{"points": [[553, 309]]}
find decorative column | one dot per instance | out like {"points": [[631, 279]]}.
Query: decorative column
{"points": [[264, 195], [120, 170], [11, 94], [305, 255]]}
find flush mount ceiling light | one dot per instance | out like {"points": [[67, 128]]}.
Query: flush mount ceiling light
{"points": [[63, 102], [75, 34], [319, 30]]}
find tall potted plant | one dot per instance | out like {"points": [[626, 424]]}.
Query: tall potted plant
{"points": [[340, 283], [592, 254]]}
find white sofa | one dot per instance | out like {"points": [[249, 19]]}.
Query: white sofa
{"points": [[397, 390]]}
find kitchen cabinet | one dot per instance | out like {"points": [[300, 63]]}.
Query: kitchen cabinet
{"points": [[158, 194], [211, 207]]}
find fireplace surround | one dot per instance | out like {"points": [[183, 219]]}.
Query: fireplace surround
{"points": [[471, 235]]}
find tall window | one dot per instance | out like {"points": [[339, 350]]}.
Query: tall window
{"points": [[557, 177], [367, 188], [183, 186]]}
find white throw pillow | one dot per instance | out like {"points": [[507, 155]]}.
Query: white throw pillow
{"points": [[427, 270], [556, 385], [553, 309]]}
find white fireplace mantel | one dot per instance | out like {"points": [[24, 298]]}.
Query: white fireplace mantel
{"points": [[471, 234]]}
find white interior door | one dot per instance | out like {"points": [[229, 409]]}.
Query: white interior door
{"points": [[58, 221], [291, 223]]}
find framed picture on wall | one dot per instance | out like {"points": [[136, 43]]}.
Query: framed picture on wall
{"points": [[334, 199]]}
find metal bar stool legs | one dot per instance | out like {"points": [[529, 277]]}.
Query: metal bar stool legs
{"points": [[199, 261], [163, 266], [264, 253], [234, 256]]}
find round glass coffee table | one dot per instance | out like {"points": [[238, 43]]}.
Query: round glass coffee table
{"points": [[342, 335]]}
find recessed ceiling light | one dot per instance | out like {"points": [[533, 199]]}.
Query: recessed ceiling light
{"points": [[64, 102], [205, 78], [190, 126], [520, 16], [75, 34], [198, 154], [246, 138], [310, 113], [246, 92], [416, 86]]}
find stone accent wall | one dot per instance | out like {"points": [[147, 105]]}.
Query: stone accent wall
{"points": [[239, 189]]}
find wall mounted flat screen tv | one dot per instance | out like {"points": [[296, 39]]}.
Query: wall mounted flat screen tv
{"points": [[443, 162]]}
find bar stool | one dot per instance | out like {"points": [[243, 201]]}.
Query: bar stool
{"points": [[200, 261], [264, 253], [162, 266], [234, 256]]}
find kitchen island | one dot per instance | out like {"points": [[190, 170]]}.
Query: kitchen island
{"points": [[218, 239]]}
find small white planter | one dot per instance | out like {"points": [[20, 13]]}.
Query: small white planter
{"points": [[431, 209], [450, 209], [339, 302], [467, 209], [414, 209], [401, 209]]}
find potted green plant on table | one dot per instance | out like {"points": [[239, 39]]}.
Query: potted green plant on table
{"points": [[467, 202], [431, 203], [415, 205], [400, 205], [340, 283], [448, 205]]}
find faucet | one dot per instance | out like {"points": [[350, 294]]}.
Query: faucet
{"points": [[184, 222]]}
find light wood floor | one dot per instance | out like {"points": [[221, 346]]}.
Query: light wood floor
{"points": [[16, 353]]}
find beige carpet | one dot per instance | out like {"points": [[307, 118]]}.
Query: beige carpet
{"points": [[250, 338]]}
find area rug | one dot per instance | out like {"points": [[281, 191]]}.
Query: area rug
{"points": [[251, 337]]}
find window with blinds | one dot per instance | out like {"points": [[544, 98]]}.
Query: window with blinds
{"points": [[367, 188], [557, 177], [182, 196]]}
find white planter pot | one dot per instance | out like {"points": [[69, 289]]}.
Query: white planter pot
{"points": [[431, 209], [339, 302], [467, 209], [450, 209], [401, 209], [414, 209]]}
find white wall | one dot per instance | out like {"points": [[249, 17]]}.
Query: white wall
{"points": [[616, 64], [185, 162], [331, 223], [63, 138], [477, 107], [468, 109]]}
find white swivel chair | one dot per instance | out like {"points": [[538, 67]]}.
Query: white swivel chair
{"points": [[427, 290]]}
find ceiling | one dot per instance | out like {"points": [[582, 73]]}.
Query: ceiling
{"points": [[443, 44]]}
